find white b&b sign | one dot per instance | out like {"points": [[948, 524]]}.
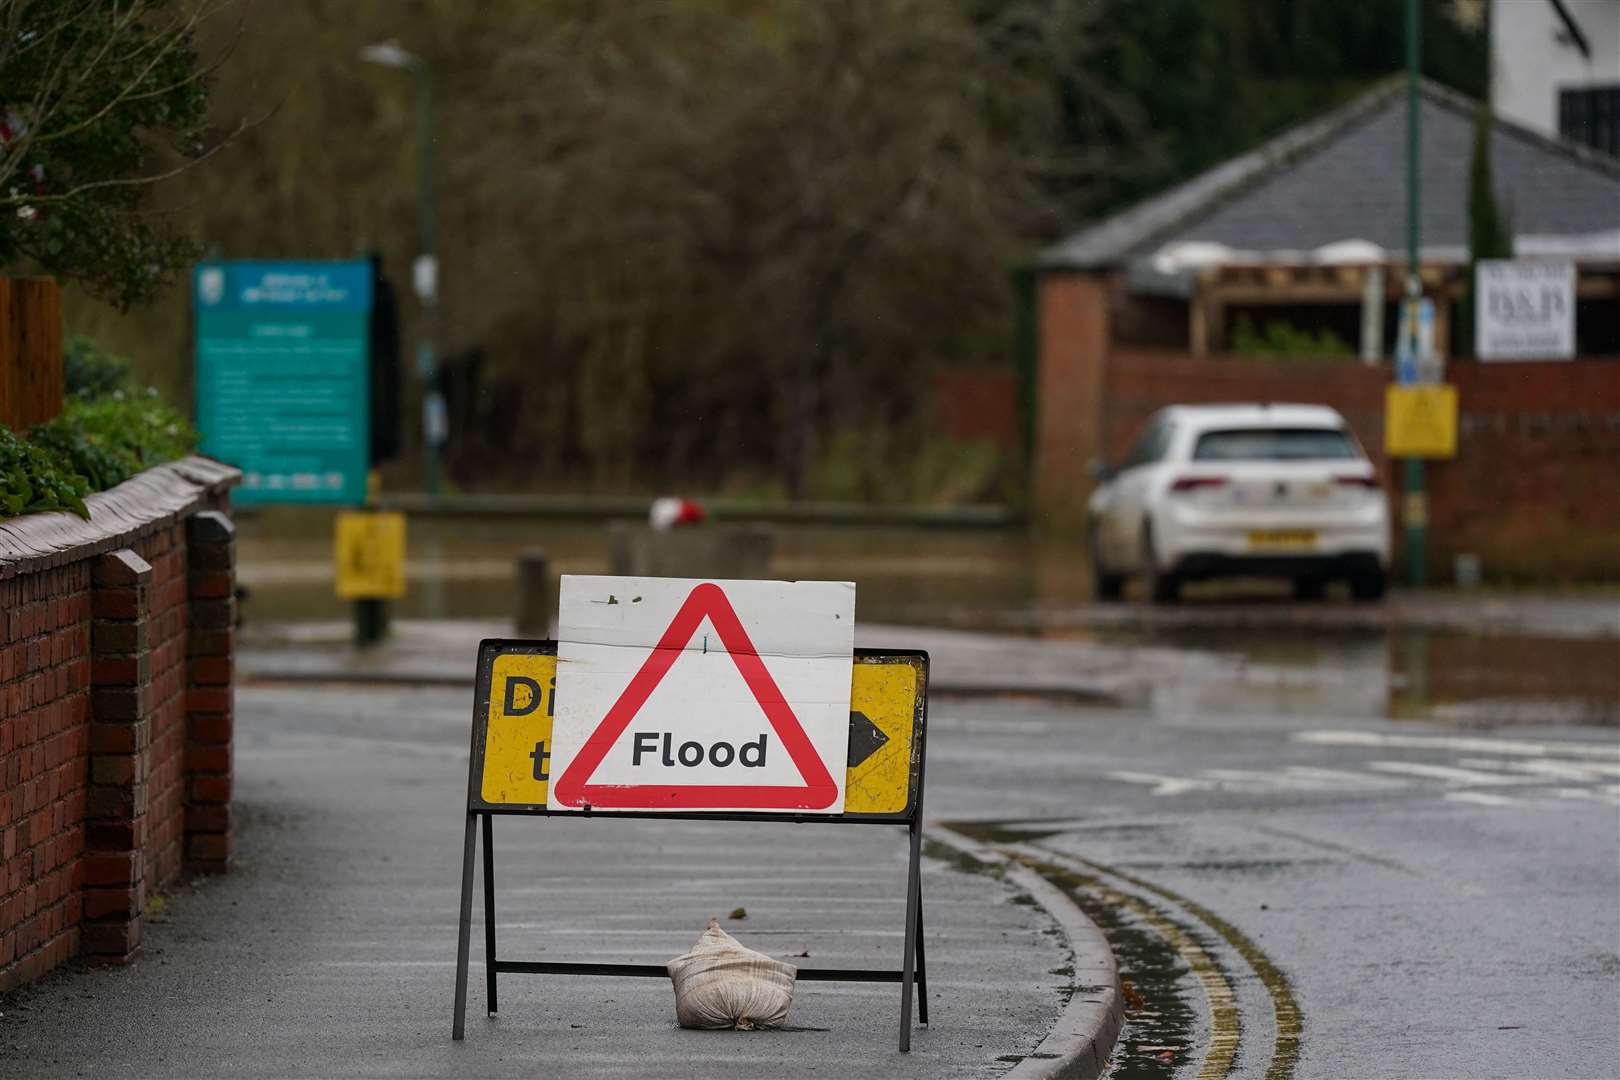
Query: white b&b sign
{"points": [[1524, 309], [690, 695]]}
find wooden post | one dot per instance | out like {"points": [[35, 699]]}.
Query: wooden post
{"points": [[1198, 318], [30, 351], [533, 611]]}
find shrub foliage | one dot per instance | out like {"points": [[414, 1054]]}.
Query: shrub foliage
{"points": [[107, 432]]}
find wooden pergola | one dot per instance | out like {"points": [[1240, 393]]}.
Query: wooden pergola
{"points": [[1217, 290]]}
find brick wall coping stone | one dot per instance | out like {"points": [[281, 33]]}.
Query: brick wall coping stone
{"points": [[148, 500]]}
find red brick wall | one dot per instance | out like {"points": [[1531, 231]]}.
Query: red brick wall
{"points": [[1073, 334], [1535, 487], [165, 551], [1141, 381], [115, 726], [44, 740]]}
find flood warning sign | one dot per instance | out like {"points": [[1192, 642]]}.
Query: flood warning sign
{"points": [[675, 694]]}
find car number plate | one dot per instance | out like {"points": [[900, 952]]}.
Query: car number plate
{"points": [[1282, 538]]}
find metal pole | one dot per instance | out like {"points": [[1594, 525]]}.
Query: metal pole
{"points": [[922, 967], [489, 912], [427, 361], [1415, 510], [370, 614], [458, 1028], [908, 951]]}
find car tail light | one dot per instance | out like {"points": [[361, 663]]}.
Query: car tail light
{"points": [[1356, 481], [1193, 483]]}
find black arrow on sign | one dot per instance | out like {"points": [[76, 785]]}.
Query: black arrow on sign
{"points": [[865, 738]]}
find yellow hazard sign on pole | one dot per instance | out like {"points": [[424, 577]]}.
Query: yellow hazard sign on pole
{"points": [[1420, 421], [370, 555]]}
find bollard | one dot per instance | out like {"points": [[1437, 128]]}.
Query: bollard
{"points": [[1469, 571], [370, 622], [533, 575]]}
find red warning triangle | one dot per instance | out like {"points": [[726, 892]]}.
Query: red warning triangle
{"points": [[707, 600]]}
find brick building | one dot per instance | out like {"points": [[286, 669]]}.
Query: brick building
{"points": [[1307, 232]]}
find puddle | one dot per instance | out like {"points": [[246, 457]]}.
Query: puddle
{"points": [[1161, 1023], [990, 832], [1400, 673], [1484, 681], [464, 567]]}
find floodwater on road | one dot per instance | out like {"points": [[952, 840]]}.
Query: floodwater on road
{"points": [[464, 567], [1460, 660]]}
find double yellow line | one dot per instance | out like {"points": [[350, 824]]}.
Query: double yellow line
{"points": [[1225, 1026]]}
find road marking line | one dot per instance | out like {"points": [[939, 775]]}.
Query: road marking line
{"points": [[1257, 780], [1345, 776], [1591, 772], [1162, 785], [1609, 794], [1483, 798], [1464, 744], [1450, 774]]}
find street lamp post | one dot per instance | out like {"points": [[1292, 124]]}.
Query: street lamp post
{"points": [[1415, 508], [425, 272]]}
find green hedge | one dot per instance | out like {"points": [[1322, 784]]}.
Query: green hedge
{"points": [[107, 432], [33, 479]]}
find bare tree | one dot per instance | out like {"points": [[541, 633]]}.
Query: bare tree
{"points": [[99, 101], [745, 226]]}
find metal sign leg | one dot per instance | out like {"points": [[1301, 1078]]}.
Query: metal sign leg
{"points": [[909, 951], [922, 964], [464, 928], [489, 909]]}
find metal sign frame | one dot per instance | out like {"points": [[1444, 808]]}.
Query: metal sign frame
{"points": [[913, 969]]}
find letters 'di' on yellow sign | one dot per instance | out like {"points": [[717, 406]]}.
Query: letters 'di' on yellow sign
{"points": [[370, 555], [1420, 421], [884, 765]]}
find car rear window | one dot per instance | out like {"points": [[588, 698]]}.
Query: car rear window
{"points": [[1276, 444]]}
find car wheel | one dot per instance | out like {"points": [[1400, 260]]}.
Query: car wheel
{"points": [[1309, 588], [1368, 586], [1163, 586], [1105, 586]]}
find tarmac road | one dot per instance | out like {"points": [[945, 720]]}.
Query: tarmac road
{"points": [[1434, 902]]}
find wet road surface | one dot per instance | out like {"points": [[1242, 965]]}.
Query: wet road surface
{"points": [[1305, 872], [1410, 900]]}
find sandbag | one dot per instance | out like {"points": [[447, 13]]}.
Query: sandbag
{"points": [[723, 984]]}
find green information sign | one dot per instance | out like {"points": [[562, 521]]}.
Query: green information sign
{"points": [[282, 376]]}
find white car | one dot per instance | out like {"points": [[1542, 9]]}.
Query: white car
{"points": [[1241, 490]]}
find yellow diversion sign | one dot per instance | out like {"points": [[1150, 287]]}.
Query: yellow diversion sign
{"points": [[517, 700]]}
